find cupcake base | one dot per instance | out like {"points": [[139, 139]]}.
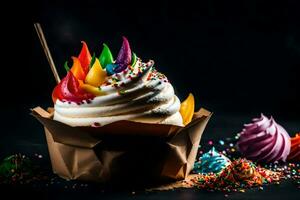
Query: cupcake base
{"points": [[124, 150]]}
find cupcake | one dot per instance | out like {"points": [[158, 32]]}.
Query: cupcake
{"points": [[120, 119], [264, 140], [99, 91], [211, 162], [295, 149]]}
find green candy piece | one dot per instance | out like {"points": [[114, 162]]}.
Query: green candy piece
{"points": [[134, 58], [105, 56], [67, 68], [15, 166]]}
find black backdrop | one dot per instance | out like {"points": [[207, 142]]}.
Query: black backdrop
{"points": [[240, 56]]}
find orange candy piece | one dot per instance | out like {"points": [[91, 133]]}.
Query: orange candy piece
{"points": [[187, 109], [77, 69], [295, 148]]}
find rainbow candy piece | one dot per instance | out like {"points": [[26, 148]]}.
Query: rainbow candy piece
{"points": [[88, 73]]}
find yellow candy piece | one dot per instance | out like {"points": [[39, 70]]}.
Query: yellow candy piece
{"points": [[187, 109], [91, 89], [96, 75]]}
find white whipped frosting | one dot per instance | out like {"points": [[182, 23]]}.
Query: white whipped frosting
{"points": [[139, 93]]}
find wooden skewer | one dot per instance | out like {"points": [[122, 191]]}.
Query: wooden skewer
{"points": [[44, 44]]}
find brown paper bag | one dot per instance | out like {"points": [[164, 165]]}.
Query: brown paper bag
{"points": [[137, 152]]}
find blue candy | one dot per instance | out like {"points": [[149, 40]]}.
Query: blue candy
{"points": [[110, 69]]}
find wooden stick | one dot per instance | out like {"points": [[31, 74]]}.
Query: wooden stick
{"points": [[44, 44]]}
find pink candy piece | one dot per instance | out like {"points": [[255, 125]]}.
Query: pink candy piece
{"points": [[264, 140]]}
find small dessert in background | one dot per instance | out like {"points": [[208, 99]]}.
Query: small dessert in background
{"points": [[241, 174], [264, 140], [295, 149], [243, 171], [99, 91], [211, 162], [17, 169]]}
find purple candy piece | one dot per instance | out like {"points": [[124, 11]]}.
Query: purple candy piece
{"points": [[124, 56], [120, 68]]}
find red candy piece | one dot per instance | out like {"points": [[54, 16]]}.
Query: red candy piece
{"points": [[68, 90], [85, 57], [56, 94]]}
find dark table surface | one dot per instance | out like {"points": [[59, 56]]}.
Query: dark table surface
{"points": [[23, 134]]}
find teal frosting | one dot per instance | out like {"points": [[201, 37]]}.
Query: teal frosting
{"points": [[211, 162]]}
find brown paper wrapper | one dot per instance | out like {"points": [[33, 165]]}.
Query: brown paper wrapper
{"points": [[124, 150]]}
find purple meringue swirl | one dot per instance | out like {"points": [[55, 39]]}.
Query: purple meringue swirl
{"points": [[264, 140]]}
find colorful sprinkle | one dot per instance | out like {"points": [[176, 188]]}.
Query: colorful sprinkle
{"points": [[238, 176]]}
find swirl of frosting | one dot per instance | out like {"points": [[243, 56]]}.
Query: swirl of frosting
{"points": [[138, 93], [211, 162], [295, 148], [264, 140]]}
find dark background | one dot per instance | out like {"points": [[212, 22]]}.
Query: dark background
{"points": [[235, 57], [239, 59]]}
